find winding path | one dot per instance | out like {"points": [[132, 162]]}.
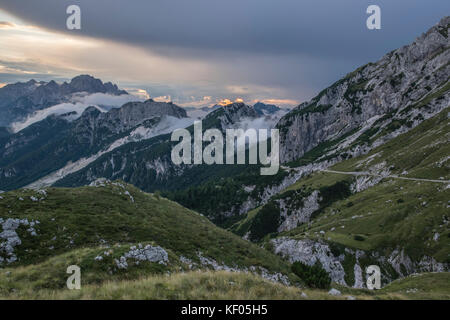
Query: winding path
{"points": [[362, 173]]}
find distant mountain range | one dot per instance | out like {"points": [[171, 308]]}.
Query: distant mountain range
{"points": [[265, 109], [20, 99], [261, 108]]}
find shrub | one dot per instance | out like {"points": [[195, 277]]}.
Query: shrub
{"points": [[338, 191], [359, 238], [314, 276], [266, 221]]}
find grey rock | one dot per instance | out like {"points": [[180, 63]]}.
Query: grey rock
{"points": [[309, 252], [147, 253], [334, 292], [371, 92]]}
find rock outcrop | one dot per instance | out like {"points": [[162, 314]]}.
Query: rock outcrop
{"points": [[406, 86]]}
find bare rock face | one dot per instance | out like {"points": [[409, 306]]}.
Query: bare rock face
{"points": [[293, 216], [9, 239], [406, 82], [94, 124], [89, 84], [309, 252], [141, 254], [225, 117], [312, 251], [133, 113]]}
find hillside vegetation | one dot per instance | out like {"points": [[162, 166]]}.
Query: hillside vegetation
{"points": [[370, 203], [239, 286], [113, 230]]}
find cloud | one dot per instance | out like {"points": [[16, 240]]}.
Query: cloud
{"points": [[6, 24], [195, 102], [101, 101], [141, 93], [162, 99], [253, 49], [265, 122]]}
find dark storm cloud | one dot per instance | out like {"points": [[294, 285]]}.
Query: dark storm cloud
{"points": [[319, 27], [280, 43]]}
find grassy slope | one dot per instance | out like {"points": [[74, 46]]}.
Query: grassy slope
{"points": [[230, 286], [78, 224], [394, 212]]}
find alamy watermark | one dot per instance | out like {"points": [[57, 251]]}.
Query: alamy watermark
{"points": [[73, 22], [373, 277], [373, 22], [74, 281], [236, 146]]}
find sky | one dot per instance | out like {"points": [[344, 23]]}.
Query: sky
{"points": [[201, 52]]}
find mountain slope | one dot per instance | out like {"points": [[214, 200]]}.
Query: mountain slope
{"points": [[115, 231], [365, 109], [148, 165], [379, 100], [380, 208], [49, 145]]}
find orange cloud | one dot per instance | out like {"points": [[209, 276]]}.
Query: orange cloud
{"points": [[225, 102], [163, 99], [2, 85]]}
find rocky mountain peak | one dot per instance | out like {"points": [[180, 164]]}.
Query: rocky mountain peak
{"points": [[126, 117], [133, 112], [265, 109], [404, 87], [240, 109], [225, 116], [87, 83], [20, 99]]}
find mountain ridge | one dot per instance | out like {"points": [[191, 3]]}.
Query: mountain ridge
{"points": [[20, 99]]}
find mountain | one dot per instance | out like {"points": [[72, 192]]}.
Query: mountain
{"points": [[389, 208], [265, 109], [114, 231], [365, 109], [4, 132], [128, 116], [377, 101], [20, 99], [147, 164], [49, 145], [214, 107], [124, 239], [368, 171]]}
